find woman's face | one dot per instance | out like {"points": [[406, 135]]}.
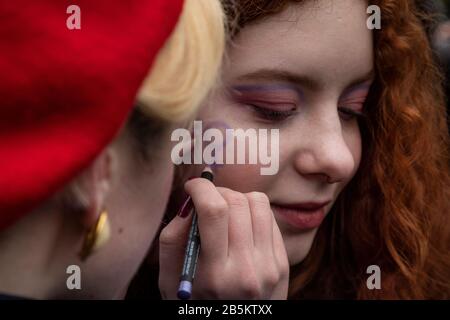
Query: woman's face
{"points": [[305, 71]]}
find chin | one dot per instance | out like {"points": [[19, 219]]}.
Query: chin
{"points": [[298, 246]]}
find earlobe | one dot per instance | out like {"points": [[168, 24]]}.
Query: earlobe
{"points": [[97, 180], [96, 237]]}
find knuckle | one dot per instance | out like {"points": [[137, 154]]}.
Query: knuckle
{"points": [[249, 280], [211, 284], [215, 209], [251, 287], [272, 278]]}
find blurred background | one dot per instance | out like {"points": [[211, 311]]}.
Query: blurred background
{"points": [[439, 34]]}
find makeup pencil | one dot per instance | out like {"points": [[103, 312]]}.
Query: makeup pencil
{"points": [[192, 251]]}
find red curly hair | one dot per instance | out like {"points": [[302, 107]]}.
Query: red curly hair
{"points": [[395, 211]]}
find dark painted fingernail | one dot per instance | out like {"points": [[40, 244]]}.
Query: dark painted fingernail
{"points": [[186, 208]]}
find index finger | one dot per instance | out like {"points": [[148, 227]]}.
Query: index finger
{"points": [[212, 211]]}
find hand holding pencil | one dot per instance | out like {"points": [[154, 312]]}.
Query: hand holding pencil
{"points": [[242, 254]]}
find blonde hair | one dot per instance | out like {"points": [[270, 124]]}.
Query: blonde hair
{"points": [[183, 73], [188, 65]]}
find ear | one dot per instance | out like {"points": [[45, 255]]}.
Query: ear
{"points": [[96, 181]]}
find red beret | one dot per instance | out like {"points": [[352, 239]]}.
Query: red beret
{"points": [[65, 93]]}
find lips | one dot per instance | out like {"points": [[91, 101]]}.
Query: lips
{"points": [[301, 216]]}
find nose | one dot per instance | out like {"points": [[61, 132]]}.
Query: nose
{"points": [[323, 152]]}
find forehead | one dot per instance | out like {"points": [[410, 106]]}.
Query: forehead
{"points": [[327, 39]]}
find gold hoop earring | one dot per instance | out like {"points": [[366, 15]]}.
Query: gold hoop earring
{"points": [[96, 236]]}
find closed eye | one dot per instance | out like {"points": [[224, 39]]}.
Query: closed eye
{"points": [[348, 114], [272, 114]]}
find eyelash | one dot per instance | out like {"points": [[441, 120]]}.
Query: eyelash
{"points": [[350, 114], [276, 116], [270, 114]]}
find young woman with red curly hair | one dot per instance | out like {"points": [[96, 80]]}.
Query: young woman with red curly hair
{"points": [[364, 158]]}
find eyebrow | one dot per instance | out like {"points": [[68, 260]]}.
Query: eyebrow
{"points": [[290, 77]]}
